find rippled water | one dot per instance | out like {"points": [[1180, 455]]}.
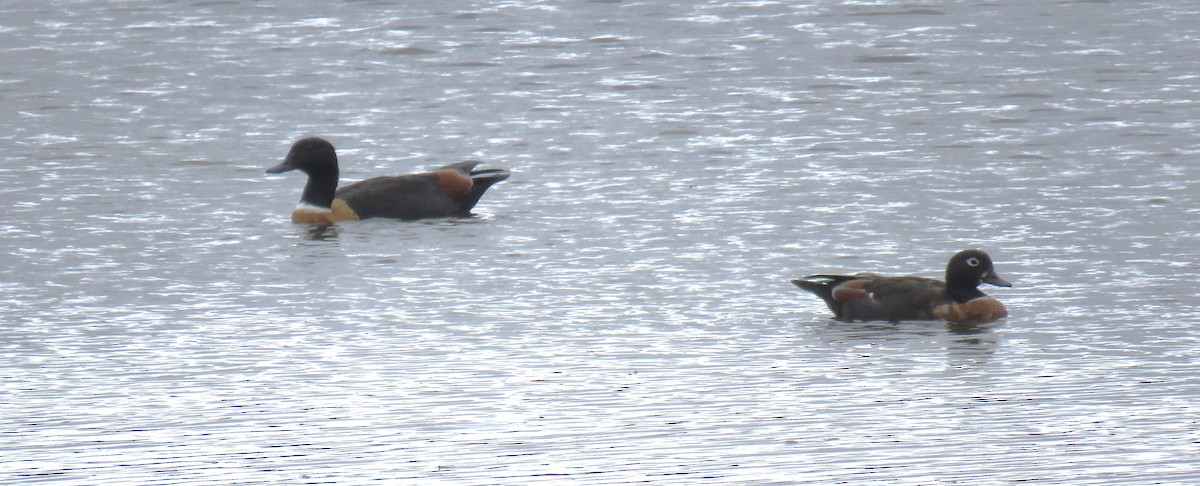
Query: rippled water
{"points": [[619, 310]]}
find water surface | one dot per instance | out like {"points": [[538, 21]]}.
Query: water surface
{"points": [[618, 310]]}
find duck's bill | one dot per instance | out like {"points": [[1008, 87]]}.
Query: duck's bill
{"points": [[284, 166], [994, 279]]}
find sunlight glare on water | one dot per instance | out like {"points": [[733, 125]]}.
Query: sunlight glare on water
{"points": [[619, 310]]}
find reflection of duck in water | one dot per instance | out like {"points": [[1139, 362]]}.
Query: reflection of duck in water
{"points": [[873, 297], [449, 191]]}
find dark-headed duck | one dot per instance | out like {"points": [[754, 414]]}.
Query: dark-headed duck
{"points": [[873, 297], [449, 191]]}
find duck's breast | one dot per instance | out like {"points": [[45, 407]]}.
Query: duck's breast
{"points": [[974, 311]]}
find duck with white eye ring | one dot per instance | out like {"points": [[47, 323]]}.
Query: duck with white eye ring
{"points": [[874, 297]]}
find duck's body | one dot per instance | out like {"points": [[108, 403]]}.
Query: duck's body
{"points": [[449, 191], [873, 297]]}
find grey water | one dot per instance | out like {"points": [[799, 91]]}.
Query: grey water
{"points": [[619, 310]]}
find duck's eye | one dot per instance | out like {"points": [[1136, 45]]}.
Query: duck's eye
{"points": [[974, 262]]}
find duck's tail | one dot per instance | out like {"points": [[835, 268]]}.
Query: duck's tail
{"points": [[481, 180], [822, 288], [822, 285]]}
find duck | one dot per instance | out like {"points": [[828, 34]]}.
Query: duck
{"points": [[444, 192], [875, 297]]}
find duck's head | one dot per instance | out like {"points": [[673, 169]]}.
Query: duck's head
{"points": [[969, 268], [312, 156]]}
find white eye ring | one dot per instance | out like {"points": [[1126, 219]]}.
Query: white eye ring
{"points": [[974, 262]]}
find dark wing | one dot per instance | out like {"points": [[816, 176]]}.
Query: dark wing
{"points": [[904, 298], [464, 166], [412, 196]]}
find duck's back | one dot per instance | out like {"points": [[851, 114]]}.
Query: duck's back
{"points": [[897, 299], [411, 196], [873, 297]]}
